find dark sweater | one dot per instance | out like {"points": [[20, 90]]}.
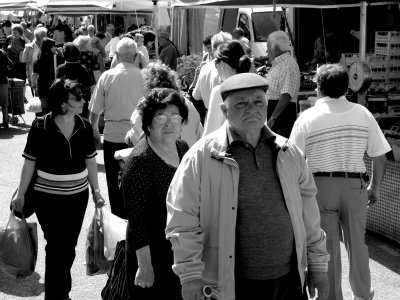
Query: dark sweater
{"points": [[145, 183]]}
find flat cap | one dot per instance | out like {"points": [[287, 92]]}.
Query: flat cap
{"points": [[242, 81], [164, 34]]}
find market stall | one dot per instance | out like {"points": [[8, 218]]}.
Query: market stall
{"points": [[383, 73]]}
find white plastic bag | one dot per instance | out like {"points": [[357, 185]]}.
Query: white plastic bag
{"points": [[114, 231], [34, 105]]}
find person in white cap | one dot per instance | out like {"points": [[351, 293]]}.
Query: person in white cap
{"points": [[242, 212]]}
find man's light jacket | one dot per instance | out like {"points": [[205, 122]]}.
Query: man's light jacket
{"points": [[202, 205]]}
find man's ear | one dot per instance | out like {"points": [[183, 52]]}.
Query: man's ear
{"points": [[224, 109]]}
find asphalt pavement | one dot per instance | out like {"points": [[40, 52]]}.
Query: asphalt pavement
{"points": [[384, 255]]}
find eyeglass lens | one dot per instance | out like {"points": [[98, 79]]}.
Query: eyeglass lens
{"points": [[162, 119]]}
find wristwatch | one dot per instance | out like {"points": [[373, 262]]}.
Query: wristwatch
{"points": [[96, 191]]}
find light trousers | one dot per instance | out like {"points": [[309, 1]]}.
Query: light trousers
{"points": [[343, 206]]}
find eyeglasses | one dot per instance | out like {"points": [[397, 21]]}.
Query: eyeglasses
{"points": [[162, 119]]}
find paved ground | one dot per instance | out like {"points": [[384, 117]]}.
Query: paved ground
{"points": [[384, 262]]}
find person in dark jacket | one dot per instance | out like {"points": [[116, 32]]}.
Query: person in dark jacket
{"points": [[73, 70], [145, 181], [44, 70]]}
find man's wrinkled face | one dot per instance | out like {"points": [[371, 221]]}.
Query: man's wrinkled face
{"points": [[246, 110]]}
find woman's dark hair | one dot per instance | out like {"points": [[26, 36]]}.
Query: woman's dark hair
{"points": [[71, 52], [45, 49], [59, 93], [332, 80], [100, 35], [233, 54], [118, 31], [159, 98]]}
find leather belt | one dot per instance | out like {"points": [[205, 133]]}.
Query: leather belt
{"points": [[339, 174]]}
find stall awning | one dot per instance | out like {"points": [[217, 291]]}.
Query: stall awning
{"points": [[285, 3]]}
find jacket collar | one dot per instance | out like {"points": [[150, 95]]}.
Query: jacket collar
{"points": [[223, 137]]}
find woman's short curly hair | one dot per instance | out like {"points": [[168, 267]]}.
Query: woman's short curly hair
{"points": [[160, 98], [59, 94], [159, 75]]}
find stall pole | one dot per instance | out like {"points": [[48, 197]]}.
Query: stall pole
{"points": [[363, 42], [155, 26]]}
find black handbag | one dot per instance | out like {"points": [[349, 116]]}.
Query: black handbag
{"points": [[116, 287]]}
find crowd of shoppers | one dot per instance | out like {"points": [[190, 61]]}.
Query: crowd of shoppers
{"points": [[249, 213]]}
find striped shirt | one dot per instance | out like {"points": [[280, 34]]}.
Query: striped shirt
{"points": [[60, 162], [335, 134], [283, 77]]}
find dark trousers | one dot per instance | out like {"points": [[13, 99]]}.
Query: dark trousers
{"points": [[284, 123], [61, 219], [112, 169], [287, 287]]}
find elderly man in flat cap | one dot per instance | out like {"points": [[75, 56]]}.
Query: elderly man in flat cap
{"points": [[242, 215]]}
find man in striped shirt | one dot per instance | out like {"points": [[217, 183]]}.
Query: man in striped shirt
{"points": [[334, 136]]}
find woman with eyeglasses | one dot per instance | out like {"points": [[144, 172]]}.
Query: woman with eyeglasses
{"points": [[145, 181], [230, 59], [60, 159]]}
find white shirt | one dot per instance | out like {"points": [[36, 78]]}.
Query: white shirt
{"points": [[208, 78], [335, 134], [143, 49], [215, 117], [111, 47], [117, 93]]}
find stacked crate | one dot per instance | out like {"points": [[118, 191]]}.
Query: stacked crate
{"points": [[387, 45]]}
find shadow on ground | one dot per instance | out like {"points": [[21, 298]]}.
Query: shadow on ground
{"points": [[9, 133], [27, 287], [386, 254]]}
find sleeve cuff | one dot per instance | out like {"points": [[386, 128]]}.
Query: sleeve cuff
{"points": [[318, 267], [190, 276]]}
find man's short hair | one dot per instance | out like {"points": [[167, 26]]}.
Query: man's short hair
{"points": [[220, 38], [91, 27], [164, 34], [239, 31], [207, 39], [332, 80], [281, 39], [40, 32], [71, 52], [126, 47], [17, 27]]}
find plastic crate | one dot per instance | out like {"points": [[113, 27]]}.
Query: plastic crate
{"points": [[394, 61], [394, 72], [387, 49], [392, 109], [349, 58], [390, 37], [379, 73], [378, 61]]}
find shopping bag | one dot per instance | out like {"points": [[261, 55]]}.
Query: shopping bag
{"points": [[18, 247], [34, 105], [114, 231], [96, 262], [116, 286]]}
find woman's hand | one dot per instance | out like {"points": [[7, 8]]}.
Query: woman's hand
{"points": [[98, 200], [18, 203], [145, 275]]}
